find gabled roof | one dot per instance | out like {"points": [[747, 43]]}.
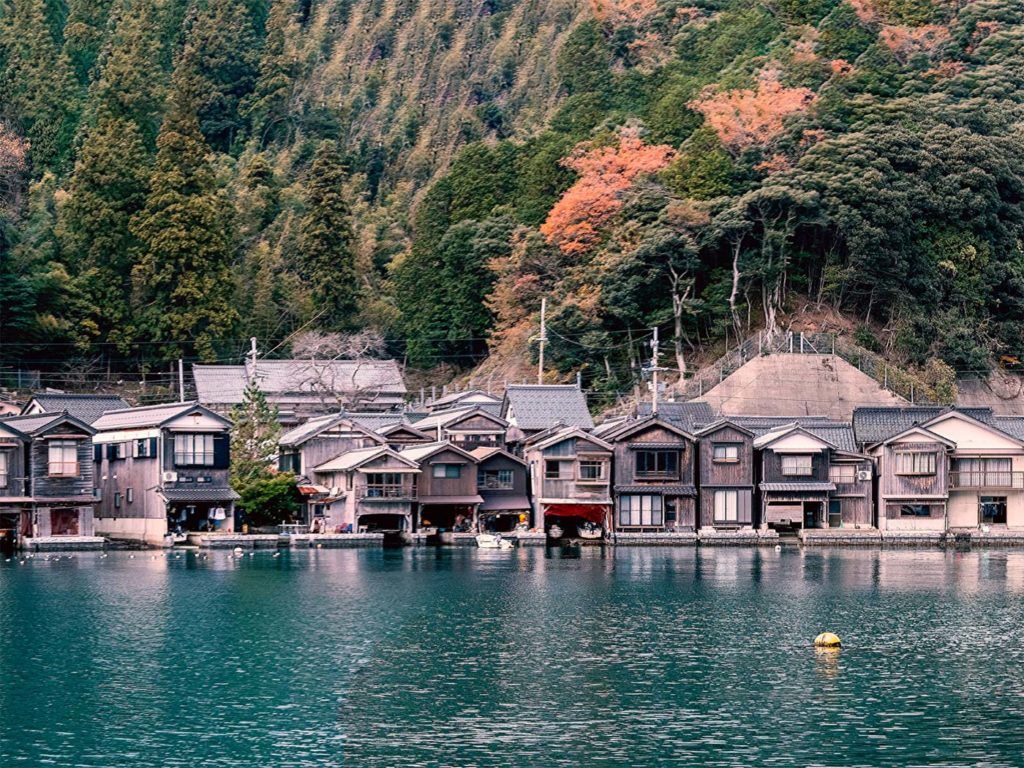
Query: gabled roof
{"points": [[838, 433], [152, 416], [874, 425], [444, 418], [41, 423], [359, 457], [375, 421], [687, 415], [539, 406], [86, 408], [768, 438], [389, 429], [425, 451], [1011, 425], [609, 426], [714, 426], [475, 395], [927, 433], [988, 426], [485, 452], [300, 434], [633, 426], [556, 435]]}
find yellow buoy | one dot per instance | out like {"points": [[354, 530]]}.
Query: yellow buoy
{"points": [[828, 640]]}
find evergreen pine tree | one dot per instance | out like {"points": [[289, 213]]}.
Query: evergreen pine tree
{"points": [[182, 276], [327, 262], [254, 437], [83, 35], [267, 106]]}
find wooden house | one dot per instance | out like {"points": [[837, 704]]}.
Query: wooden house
{"points": [[401, 434], [472, 398], [533, 408], [365, 489], [467, 428], [809, 481], [570, 477], [163, 469], [654, 476], [85, 408], [502, 484], [727, 476], [447, 496], [46, 481]]}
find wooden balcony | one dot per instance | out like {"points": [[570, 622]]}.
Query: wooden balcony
{"points": [[987, 479], [386, 492]]}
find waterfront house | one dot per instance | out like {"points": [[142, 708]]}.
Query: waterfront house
{"points": [[303, 389], [502, 484], [85, 408], [948, 469], [401, 434], [446, 495], [533, 408], [727, 471], [465, 427], [46, 480], [365, 489], [472, 398], [570, 477], [654, 476], [813, 477], [163, 469]]}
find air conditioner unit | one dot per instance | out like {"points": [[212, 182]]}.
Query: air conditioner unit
{"points": [[170, 477], [336, 490], [863, 474]]}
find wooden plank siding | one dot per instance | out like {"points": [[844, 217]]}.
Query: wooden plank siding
{"points": [[464, 485], [771, 468], [726, 475], [627, 480], [894, 485]]}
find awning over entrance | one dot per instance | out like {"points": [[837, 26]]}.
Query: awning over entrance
{"points": [[497, 503], [450, 500], [192, 495], [592, 512], [798, 487], [312, 490]]}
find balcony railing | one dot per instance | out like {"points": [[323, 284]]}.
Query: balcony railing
{"points": [[385, 492], [654, 475], [987, 479]]}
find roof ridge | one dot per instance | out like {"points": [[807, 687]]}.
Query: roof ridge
{"points": [[153, 406]]}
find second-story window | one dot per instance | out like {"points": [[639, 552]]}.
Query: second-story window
{"points": [[915, 463], [725, 453], [592, 471], [193, 450], [384, 485], [555, 469], [494, 479], [62, 458], [657, 464], [799, 465], [447, 471], [842, 473], [4, 468]]}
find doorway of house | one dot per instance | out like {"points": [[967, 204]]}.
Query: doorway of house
{"points": [[835, 513], [993, 510]]}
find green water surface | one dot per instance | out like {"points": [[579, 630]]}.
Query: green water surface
{"points": [[462, 657]]}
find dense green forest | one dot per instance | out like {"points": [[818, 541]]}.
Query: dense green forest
{"points": [[176, 176]]}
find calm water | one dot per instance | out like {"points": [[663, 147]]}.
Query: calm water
{"points": [[470, 658]]}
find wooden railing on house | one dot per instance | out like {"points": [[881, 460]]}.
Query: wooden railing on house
{"points": [[987, 479]]}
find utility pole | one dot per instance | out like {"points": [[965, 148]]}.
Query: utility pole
{"points": [[655, 369], [181, 380], [543, 339], [252, 351]]}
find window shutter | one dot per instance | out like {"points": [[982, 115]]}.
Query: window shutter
{"points": [[97, 452], [152, 447], [221, 455], [111, 451], [743, 507]]}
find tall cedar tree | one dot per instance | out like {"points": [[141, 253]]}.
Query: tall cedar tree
{"points": [[182, 278], [327, 261], [267, 107], [108, 188], [253, 438]]}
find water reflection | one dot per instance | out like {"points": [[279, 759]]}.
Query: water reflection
{"points": [[548, 657]]}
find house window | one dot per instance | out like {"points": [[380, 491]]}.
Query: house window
{"points": [[993, 510], [981, 473], [640, 510], [725, 453], [915, 463], [4, 468], [129, 495], [842, 473], [494, 479], [117, 501], [120, 450], [193, 450], [915, 510], [145, 448], [658, 464], [727, 506], [557, 470], [797, 465], [592, 471], [63, 458], [447, 471], [384, 485]]}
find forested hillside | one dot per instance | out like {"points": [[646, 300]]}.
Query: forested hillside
{"points": [[177, 176]]}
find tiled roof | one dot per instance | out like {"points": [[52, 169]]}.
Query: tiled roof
{"points": [[688, 415], [446, 417], [30, 424], [225, 384], [375, 421], [352, 459], [298, 434], [484, 452], [477, 395], [86, 408], [539, 406], [420, 452], [1011, 425], [797, 486], [873, 425], [200, 494], [838, 433], [675, 490], [143, 416]]}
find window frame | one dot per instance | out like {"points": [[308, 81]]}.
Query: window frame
{"points": [[915, 510], [902, 458], [725, 494], [726, 448], [62, 463], [5, 468], [601, 464], [792, 457], [562, 465], [660, 456], [190, 455], [442, 471], [499, 483], [627, 516], [851, 469]]}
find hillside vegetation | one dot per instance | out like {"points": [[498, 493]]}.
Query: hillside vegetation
{"points": [[176, 176]]}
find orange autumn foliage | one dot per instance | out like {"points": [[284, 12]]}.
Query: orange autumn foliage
{"points": [[13, 165], [906, 41], [623, 11], [752, 117], [575, 221]]}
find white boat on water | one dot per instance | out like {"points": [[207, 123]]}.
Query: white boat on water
{"points": [[555, 531], [492, 541], [589, 530]]}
